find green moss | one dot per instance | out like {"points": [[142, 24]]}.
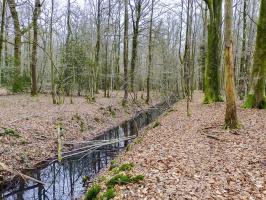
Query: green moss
{"points": [[92, 193], [251, 102]]}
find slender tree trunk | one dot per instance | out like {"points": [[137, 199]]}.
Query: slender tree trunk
{"points": [[134, 56], [34, 49], [187, 56], [230, 115], [3, 18], [243, 67], [256, 97], [97, 48], [126, 53], [51, 53], [212, 78], [150, 54]]}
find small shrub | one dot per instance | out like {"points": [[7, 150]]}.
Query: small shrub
{"points": [[109, 194], [126, 167], [92, 193], [10, 132], [119, 179], [137, 178]]}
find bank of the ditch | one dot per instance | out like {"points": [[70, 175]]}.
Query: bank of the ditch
{"points": [[195, 158], [28, 125]]}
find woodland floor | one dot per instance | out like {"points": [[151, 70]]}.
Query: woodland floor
{"points": [[34, 119], [195, 158]]}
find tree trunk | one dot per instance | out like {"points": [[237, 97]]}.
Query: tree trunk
{"points": [[34, 49], [51, 53], [18, 34], [212, 78], [134, 55], [256, 97], [126, 53], [243, 67], [2, 36], [97, 48], [150, 54], [230, 115]]}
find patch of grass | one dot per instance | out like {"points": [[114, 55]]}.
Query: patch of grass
{"points": [[10, 132], [92, 193], [126, 167], [122, 179], [137, 178], [119, 179], [113, 165], [109, 194]]}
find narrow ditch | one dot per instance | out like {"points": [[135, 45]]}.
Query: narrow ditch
{"points": [[64, 181]]}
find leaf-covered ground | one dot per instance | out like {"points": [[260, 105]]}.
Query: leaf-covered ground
{"points": [[195, 158], [28, 124]]}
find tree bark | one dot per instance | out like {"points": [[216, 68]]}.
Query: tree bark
{"points": [[256, 97], [150, 54], [51, 53], [34, 49], [17, 39], [126, 53], [2, 36], [212, 78], [230, 115]]}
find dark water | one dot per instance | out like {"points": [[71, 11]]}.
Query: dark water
{"points": [[64, 181]]}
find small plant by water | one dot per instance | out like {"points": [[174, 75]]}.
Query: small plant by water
{"points": [[92, 193], [118, 175], [10, 132]]}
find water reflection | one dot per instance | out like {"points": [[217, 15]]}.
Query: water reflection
{"points": [[64, 181]]}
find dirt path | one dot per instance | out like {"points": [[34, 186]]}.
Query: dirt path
{"points": [[195, 158]]}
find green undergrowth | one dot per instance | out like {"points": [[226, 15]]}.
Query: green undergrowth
{"points": [[117, 175]]}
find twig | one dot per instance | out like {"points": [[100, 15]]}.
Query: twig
{"points": [[6, 168]]}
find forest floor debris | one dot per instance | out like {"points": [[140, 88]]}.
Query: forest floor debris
{"points": [[195, 158], [28, 124]]}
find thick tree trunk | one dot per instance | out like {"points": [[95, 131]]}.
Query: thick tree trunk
{"points": [[34, 49], [212, 78], [17, 39], [256, 97], [230, 115], [126, 53]]}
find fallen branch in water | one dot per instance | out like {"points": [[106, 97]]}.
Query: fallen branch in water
{"points": [[95, 144], [6, 168]]}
